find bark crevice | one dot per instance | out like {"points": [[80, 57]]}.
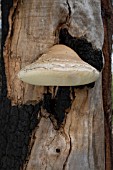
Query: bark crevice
{"points": [[70, 148], [58, 105], [69, 14]]}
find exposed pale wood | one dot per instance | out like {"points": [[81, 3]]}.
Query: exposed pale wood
{"points": [[79, 141], [34, 29]]}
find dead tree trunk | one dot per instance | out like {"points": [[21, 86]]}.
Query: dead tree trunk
{"points": [[52, 128]]}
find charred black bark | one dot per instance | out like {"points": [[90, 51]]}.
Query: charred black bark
{"points": [[5, 7], [83, 48], [16, 122], [16, 125], [57, 106]]}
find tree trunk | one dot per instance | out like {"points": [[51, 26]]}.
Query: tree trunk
{"points": [[107, 14], [52, 128]]}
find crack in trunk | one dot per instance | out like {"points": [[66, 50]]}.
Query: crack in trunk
{"points": [[69, 8], [69, 14], [70, 149]]}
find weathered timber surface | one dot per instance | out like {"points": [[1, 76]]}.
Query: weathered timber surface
{"points": [[77, 143]]}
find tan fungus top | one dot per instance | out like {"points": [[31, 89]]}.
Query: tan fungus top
{"points": [[59, 66]]}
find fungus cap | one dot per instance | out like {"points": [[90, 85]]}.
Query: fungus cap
{"points": [[59, 66]]}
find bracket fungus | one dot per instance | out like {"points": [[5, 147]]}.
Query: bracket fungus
{"points": [[59, 66]]}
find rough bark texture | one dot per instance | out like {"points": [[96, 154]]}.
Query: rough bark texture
{"points": [[50, 128], [107, 15]]}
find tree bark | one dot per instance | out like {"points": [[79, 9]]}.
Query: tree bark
{"points": [[107, 15], [50, 128]]}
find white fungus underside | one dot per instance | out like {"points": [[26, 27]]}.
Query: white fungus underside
{"points": [[58, 74]]}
